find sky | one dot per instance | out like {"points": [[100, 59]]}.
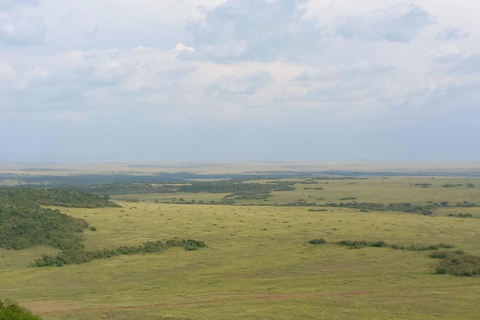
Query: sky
{"points": [[239, 80]]}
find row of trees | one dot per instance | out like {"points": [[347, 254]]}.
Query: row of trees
{"points": [[54, 197]]}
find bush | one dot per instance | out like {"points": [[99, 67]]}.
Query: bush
{"points": [[317, 241], [459, 265], [12, 311], [27, 225], [423, 185]]}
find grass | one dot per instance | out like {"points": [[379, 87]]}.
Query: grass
{"points": [[258, 264], [373, 189]]}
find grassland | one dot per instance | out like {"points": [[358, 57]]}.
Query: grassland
{"points": [[258, 264]]}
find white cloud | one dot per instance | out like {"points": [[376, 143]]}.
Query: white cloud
{"points": [[182, 47], [243, 60]]}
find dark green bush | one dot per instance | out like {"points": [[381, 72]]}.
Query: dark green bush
{"points": [[317, 241], [78, 255], [459, 265], [28, 225]]}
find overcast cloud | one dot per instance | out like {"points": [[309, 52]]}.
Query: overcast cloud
{"points": [[217, 80]]}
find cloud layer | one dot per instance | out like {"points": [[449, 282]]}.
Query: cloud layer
{"points": [[297, 64], [398, 23]]}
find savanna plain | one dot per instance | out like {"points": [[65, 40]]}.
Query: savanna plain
{"points": [[311, 247]]}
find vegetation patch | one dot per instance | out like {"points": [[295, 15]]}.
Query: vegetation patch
{"points": [[79, 256], [457, 263], [460, 215], [300, 203], [24, 224], [317, 241], [54, 197], [401, 207], [423, 185], [29, 225], [379, 244], [466, 204]]}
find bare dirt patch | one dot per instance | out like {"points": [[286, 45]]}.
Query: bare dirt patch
{"points": [[43, 307]]}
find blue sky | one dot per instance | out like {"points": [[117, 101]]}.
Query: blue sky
{"points": [[238, 80]]}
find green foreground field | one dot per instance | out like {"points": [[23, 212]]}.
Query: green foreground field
{"points": [[258, 264]]}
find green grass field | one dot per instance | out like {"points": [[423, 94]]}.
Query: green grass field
{"points": [[257, 264]]}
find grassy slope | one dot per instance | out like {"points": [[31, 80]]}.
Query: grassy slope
{"points": [[251, 273]]}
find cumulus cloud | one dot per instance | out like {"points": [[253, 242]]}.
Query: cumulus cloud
{"points": [[18, 30], [245, 60], [255, 30], [182, 47], [399, 23]]}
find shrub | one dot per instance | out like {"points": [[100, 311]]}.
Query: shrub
{"points": [[459, 265], [423, 185], [317, 241]]}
